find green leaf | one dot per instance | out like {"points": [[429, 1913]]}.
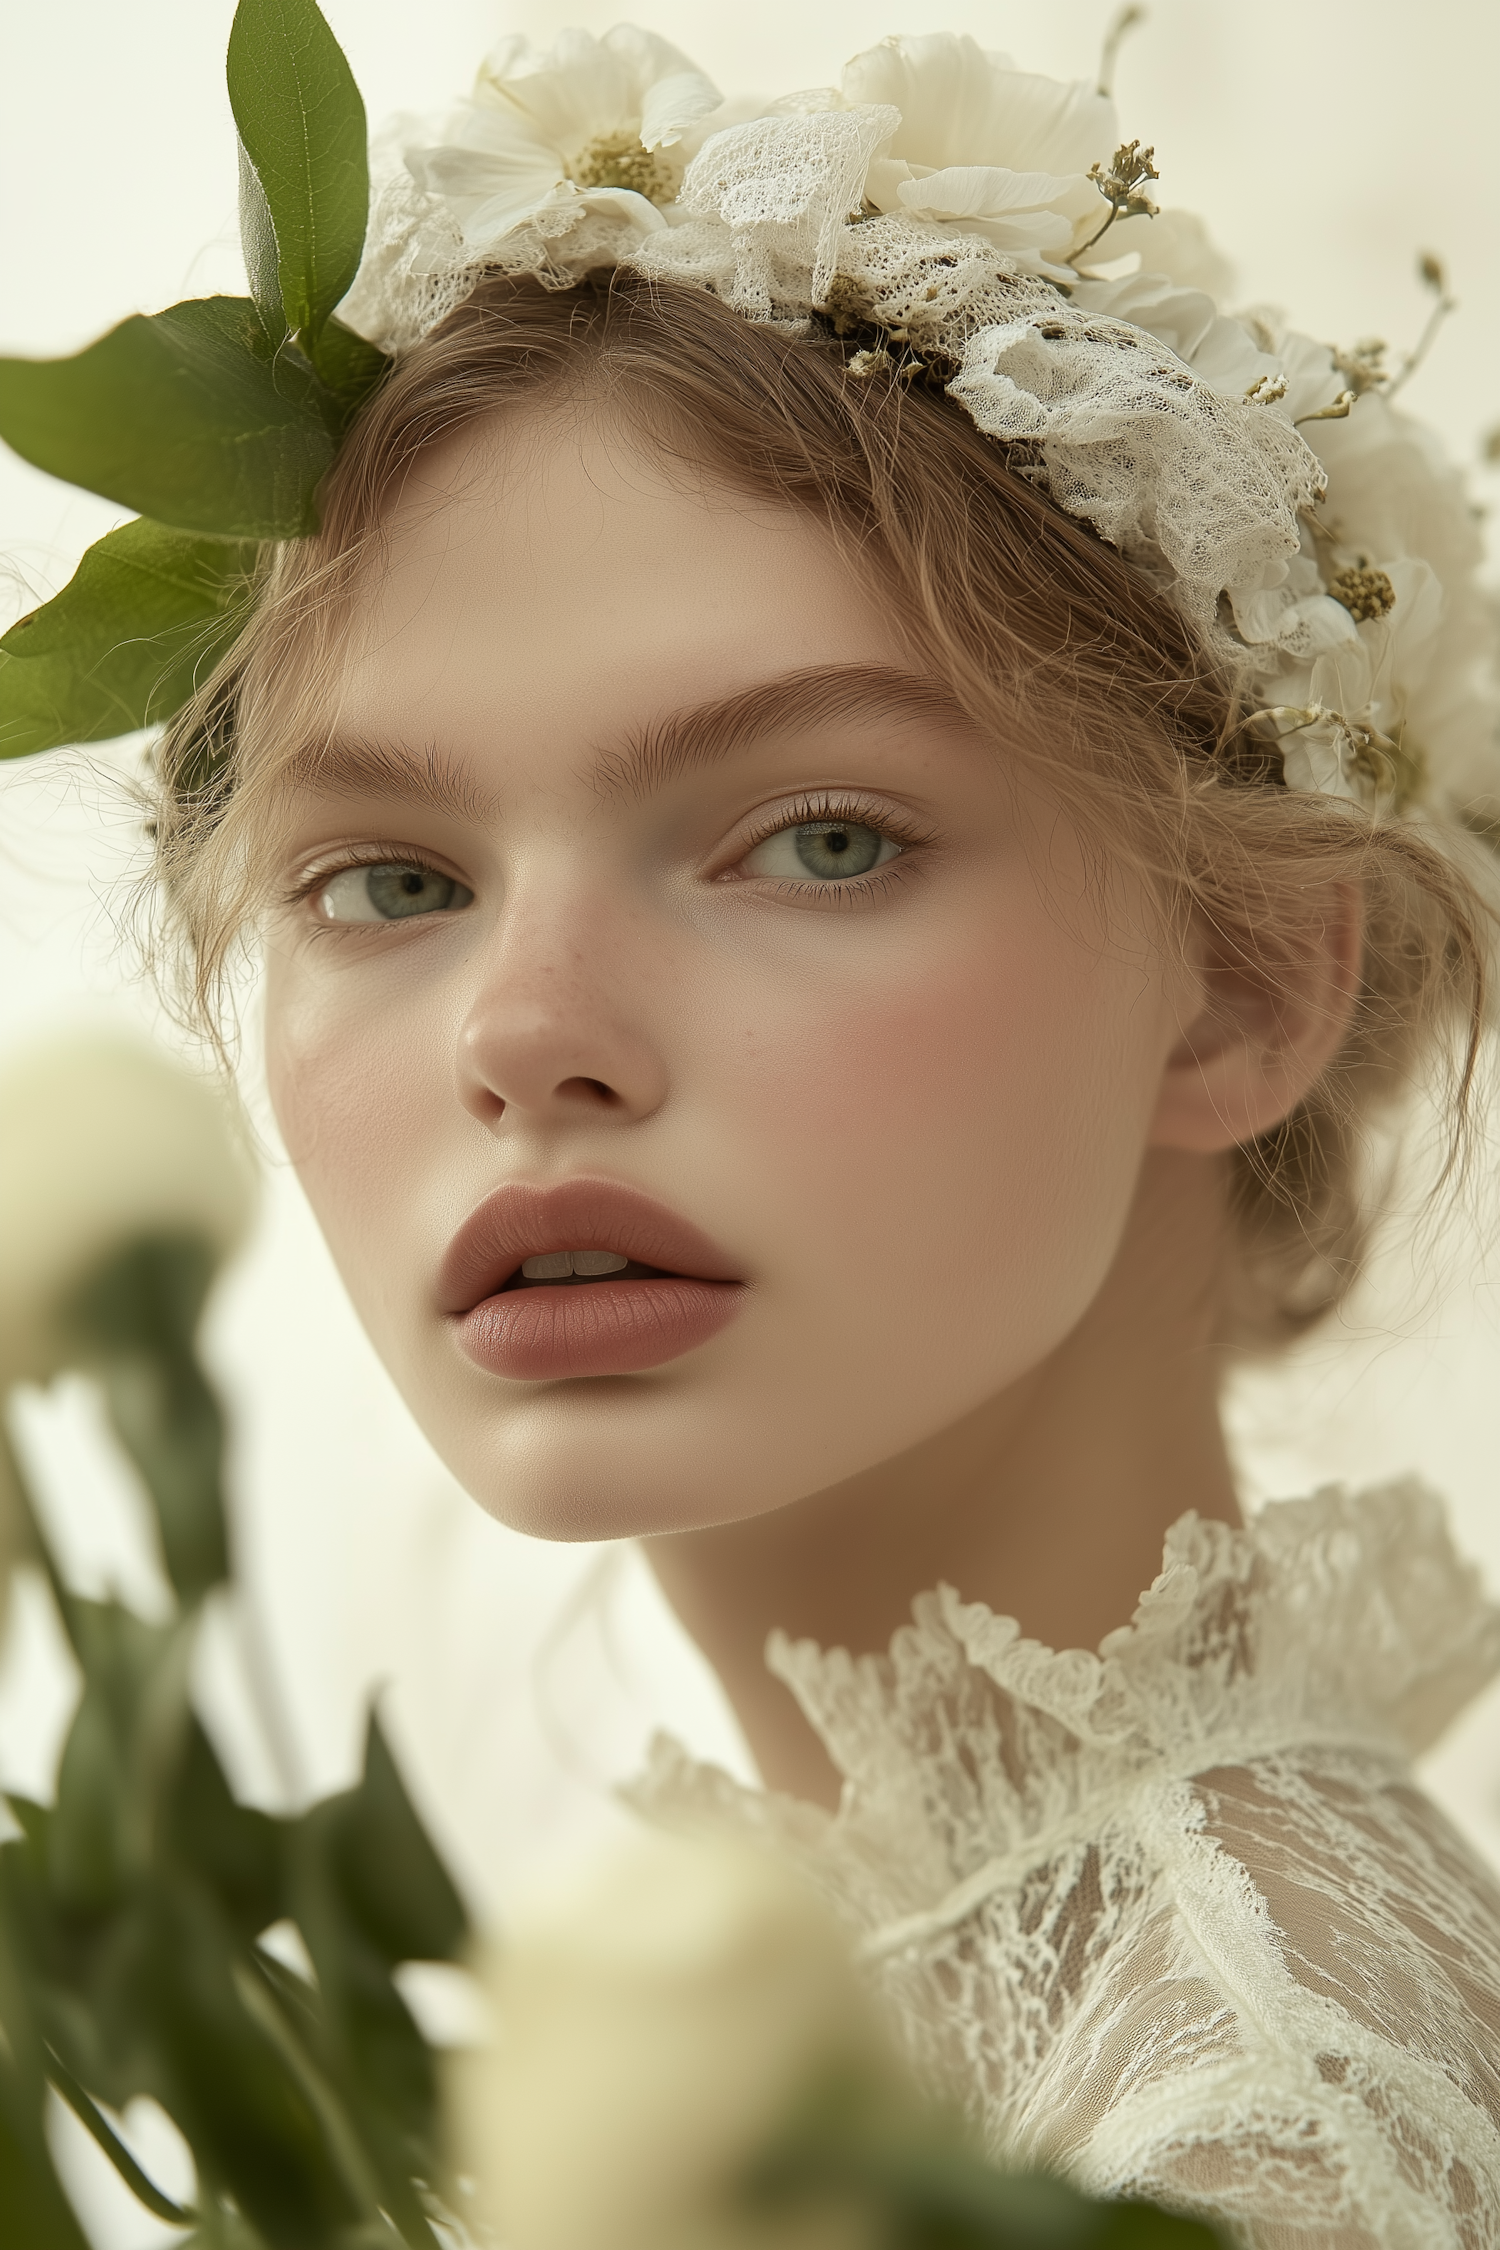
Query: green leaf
{"points": [[232, 1847], [249, 2124], [34, 2212], [135, 1319], [186, 415], [146, 615], [393, 1885], [258, 242], [305, 185], [368, 1891], [122, 1749], [96, 2124], [348, 365]]}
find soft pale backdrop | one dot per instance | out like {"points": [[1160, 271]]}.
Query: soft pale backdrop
{"points": [[1327, 145]]}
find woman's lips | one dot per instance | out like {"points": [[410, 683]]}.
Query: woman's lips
{"points": [[612, 1326]]}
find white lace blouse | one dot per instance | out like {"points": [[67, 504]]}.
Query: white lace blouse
{"points": [[1175, 1917]]}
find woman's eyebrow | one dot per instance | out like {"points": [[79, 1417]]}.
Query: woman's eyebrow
{"points": [[360, 766], [705, 734], [700, 734]]}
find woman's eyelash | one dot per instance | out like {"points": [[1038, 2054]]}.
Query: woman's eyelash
{"points": [[901, 828], [821, 805], [308, 885]]}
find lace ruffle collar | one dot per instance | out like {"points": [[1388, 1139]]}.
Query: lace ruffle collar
{"points": [[1344, 1618]]}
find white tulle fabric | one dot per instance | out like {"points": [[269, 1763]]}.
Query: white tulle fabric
{"points": [[1175, 1917]]}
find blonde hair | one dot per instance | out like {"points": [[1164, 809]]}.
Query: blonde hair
{"points": [[1047, 637]]}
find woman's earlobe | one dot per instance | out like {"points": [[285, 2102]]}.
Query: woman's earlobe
{"points": [[1269, 1022]]}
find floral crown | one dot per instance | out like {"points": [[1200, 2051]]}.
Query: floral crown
{"points": [[954, 219]]}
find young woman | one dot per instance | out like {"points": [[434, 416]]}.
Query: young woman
{"points": [[853, 816]]}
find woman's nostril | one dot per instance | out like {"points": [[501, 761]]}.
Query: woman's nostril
{"points": [[589, 1090]]}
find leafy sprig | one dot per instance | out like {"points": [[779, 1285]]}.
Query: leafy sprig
{"points": [[216, 420]]}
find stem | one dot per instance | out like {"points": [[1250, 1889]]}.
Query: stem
{"points": [[1423, 345], [343, 2141], [93, 2119], [1121, 24], [1114, 213]]}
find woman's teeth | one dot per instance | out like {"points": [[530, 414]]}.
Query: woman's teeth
{"points": [[556, 1265]]}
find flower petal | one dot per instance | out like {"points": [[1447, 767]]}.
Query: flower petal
{"points": [[488, 192], [675, 104], [623, 203], [645, 59], [1343, 678], [988, 191], [566, 98], [961, 106], [1315, 763], [1052, 124]]}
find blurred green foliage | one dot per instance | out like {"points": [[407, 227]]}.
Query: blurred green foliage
{"points": [[131, 1909]]}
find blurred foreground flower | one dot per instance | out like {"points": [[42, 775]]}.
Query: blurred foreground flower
{"points": [[654, 2030], [684, 2058], [104, 1142]]}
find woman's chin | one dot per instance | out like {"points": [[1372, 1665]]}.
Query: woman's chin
{"points": [[573, 1504], [617, 1476]]}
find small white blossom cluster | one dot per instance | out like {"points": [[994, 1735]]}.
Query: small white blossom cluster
{"points": [[992, 224]]}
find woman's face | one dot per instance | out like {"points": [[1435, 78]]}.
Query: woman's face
{"points": [[650, 907]]}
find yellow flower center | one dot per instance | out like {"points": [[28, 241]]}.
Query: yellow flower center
{"points": [[618, 160], [1366, 594]]}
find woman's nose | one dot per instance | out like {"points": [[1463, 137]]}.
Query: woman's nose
{"points": [[551, 1038]]}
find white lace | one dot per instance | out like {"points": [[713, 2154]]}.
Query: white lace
{"points": [[921, 209], [1175, 1917], [1122, 432]]}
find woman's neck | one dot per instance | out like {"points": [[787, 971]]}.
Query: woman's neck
{"points": [[1049, 1502]]}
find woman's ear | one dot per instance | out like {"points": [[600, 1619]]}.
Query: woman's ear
{"points": [[1268, 1024]]}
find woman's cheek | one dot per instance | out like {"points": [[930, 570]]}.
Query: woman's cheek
{"points": [[945, 1153], [353, 1078]]}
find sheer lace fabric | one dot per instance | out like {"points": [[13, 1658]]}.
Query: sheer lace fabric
{"points": [[1175, 1917], [1190, 476]]}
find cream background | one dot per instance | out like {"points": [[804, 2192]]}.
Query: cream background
{"points": [[1327, 145]]}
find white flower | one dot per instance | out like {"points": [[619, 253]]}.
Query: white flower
{"points": [[985, 148], [1175, 244], [596, 125], [102, 1141], [1423, 674], [652, 2032], [1221, 352]]}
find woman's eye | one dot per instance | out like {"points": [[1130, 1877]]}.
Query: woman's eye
{"points": [[825, 850], [389, 893]]}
